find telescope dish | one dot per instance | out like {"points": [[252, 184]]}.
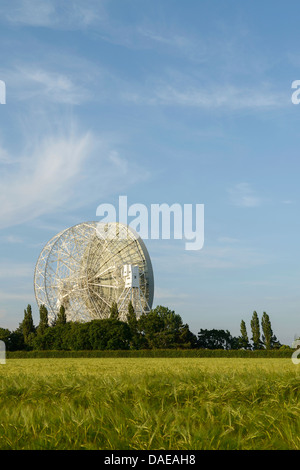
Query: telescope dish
{"points": [[89, 266]]}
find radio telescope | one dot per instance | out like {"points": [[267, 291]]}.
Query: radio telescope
{"points": [[89, 266]]}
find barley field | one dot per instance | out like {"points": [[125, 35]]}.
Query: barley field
{"points": [[149, 403]]}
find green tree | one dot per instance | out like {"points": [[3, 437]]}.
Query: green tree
{"points": [[43, 320], [61, 317], [255, 331], [109, 334], [186, 339], [275, 343], [267, 330], [243, 339], [132, 321], [78, 337], [269, 339], [56, 338], [131, 316], [5, 336], [150, 325], [28, 328], [163, 328], [215, 339], [114, 312], [16, 341]]}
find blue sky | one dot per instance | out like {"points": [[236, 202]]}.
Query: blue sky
{"points": [[165, 102]]}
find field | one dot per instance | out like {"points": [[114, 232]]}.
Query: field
{"points": [[149, 403]]}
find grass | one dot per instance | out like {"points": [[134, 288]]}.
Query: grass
{"points": [[149, 403]]}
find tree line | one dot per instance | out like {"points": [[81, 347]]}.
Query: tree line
{"points": [[161, 328]]}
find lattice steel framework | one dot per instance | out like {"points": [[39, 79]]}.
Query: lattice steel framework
{"points": [[81, 268]]}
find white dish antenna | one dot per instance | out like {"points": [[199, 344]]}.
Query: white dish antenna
{"points": [[86, 271]]}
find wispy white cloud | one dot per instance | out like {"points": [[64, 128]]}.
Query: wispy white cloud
{"points": [[57, 87], [208, 97], [13, 296], [72, 80], [170, 258], [57, 14], [165, 294], [228, 240], [77, 80], [13, 269], [43, 179], [28, 12], [231, 96], [118, 161], [66, 168], [243, 195], [55, 80], [11, 239], [4, 156], [176, 42], [231, 257]]}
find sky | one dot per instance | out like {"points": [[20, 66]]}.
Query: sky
{"points": [[164, 102]]}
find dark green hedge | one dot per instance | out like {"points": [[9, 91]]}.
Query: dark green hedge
{"points": [[275, 353]]}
